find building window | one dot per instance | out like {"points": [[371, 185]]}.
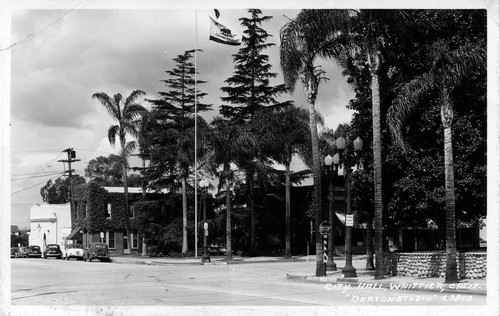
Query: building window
{"points": [[107, 212], [130, 211], [110, 239], [135, 240]]}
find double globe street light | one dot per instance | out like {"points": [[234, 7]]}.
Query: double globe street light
{"points": [[341, 159]]}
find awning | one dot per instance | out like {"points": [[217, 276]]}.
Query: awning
{"points": [[75, 233]]}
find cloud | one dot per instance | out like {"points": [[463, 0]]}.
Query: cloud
{"points": [[74, 55]]}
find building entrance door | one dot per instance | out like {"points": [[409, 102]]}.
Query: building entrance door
{"points": [[126, 243]]}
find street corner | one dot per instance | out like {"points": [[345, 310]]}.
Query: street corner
{"points": [[457, 291]]}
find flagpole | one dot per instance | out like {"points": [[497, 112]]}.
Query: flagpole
{"points": [[195, 141]]}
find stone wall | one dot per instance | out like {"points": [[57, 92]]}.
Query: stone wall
{"points": [[433, 264]]}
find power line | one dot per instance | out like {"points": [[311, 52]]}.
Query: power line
{"points": [[50, 164], [34, 173], [38, 176], [30, 36], [35, 152], [30, 187], [95, 151]]}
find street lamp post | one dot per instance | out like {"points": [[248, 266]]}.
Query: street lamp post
{"points": [[330, 264], [348, 270], [204, 188]]}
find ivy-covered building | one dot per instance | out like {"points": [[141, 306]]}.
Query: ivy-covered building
{"points": [[99, 214]]}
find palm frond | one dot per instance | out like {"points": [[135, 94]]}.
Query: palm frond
{"points": [[129, 148], [466, 60], [112, 131], [118, 99], [132, 111], [108, 104], [405, 104], [291, 53], [130, 128], [133, 96]]}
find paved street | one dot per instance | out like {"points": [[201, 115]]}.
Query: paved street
{"points": [[58, 282]]}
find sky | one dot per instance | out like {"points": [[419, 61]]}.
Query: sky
{"points": [[61, 57]]}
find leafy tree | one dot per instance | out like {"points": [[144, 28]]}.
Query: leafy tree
{"points": [[413, 187], [172, 133], [249, 90], [449, 67], [15, 240], [105, 171], [57, 192], [124, 112]]}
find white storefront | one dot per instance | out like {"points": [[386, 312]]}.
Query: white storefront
{"points": [[49, 224]]}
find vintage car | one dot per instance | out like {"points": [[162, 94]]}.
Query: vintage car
{"points": [[74, 251], [52, 250], [14, 252], [217, 250], [97, 251], [23, 252], [33, 252]]}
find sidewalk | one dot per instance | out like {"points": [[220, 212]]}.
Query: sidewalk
{"points": [[365, 279], [305, 273]]}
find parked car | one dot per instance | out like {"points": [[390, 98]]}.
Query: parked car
{"points": [[97, 251], [217, 250], [23, 252], [33, 252], [74, 251], [14, 252], [52, 250]]}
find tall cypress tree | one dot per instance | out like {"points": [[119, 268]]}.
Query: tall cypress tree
{"points": [[171, 136], [249, 90], [176, 106]]}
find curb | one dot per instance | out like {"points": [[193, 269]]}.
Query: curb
{"points": [[433, 287], [215, 262]]}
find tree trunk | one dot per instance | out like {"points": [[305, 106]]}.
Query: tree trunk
{"points": [[125, 185], [251, 201], [144, 246], [377, 169], [451, 243], [229, 253], [184, 218], [287, 212], [369, 246], [311, 88]]}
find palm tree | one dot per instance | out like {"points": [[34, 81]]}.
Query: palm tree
{"points": [[284, 132], [448, 69], [326, 33], [300, 46], [228, 142], [124, 112]]}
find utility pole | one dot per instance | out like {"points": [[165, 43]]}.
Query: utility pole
{"points": [[69, 172]]}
